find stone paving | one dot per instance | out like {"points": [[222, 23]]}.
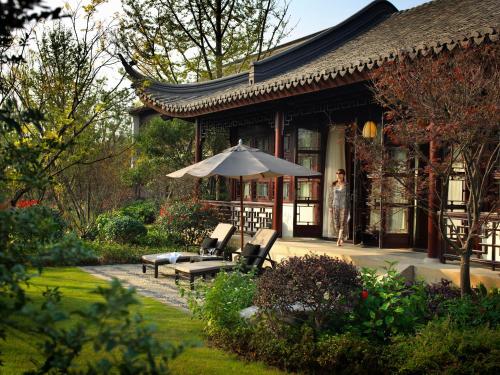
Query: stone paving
{"points": [[162, 289]]}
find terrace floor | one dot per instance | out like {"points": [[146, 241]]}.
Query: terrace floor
{"points": [[415, 264]]}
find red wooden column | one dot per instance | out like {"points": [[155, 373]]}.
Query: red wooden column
{"points": [[433, 236], [279, 122], [197, 153]]}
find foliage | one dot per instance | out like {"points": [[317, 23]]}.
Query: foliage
{"points": [[115, 331], [157, 237], [161, 147], [219, 303], [442, 348], [449, 102], [190, 220], [173, 325], [348, 353], [186, 40], [481, 308], [32, 227], [438, 295], [114, 253], [123, 229], [391, 305], [322, 288], [145, 211], [38, 145]]}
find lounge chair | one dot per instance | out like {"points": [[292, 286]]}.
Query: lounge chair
{"points": [[265, 238], [223, 233]]}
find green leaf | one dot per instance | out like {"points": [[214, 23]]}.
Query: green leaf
{"points": [[379, 322], [389, 319]]}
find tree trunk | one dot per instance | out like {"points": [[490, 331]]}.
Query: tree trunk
{"points": [[465, 274]]}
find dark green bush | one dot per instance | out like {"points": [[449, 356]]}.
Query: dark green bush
{"points": [[123, 229], [144, 210], [157, 237], [443, 348], [190, 221], [390, 305], [348, 353], [35, 226], [317, 289], [482, 307]]}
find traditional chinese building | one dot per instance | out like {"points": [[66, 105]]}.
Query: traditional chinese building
{"points": [[298, 103]]}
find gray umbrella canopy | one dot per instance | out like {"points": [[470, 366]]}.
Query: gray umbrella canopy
{"points": [[246, 162], [243, 163]]}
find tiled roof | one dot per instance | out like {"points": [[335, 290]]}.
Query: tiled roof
{"points": [[428, 28]]}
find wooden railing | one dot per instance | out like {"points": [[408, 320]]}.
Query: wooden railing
{"points": [[256, 214], [487, 250]]}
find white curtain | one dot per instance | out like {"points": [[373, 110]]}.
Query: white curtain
{"points": [[335, 159]]}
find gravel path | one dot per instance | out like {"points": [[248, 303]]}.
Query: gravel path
{"points": [[162, 289]]}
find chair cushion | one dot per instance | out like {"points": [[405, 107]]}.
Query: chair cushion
{"points": [[249, 252], [208, 243]]}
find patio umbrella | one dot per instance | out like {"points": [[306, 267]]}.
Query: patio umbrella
{"points": [[243, 163]]}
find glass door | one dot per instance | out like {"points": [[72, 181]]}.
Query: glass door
{"points": [[308, 206]]}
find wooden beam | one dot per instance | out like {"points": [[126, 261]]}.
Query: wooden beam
{"points": [[279, 123], [198, 154]]}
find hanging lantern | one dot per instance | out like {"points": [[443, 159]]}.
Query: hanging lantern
{"points": [[369, 130]]}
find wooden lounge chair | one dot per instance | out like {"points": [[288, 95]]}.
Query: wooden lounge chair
{"points": [[223, 232], [264, 237]]}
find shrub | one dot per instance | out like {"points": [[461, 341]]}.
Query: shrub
{"points": [[348, 353], [123, 229], [68, 251], [36, 226], [144, 210], [190, 221], [316, 288], [219, 303], [482, 307], [157, 237], [389, 304], [292, 348], [438, 294], [442, 348]]}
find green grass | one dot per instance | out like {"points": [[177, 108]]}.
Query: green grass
{"points": [[173, 324]]}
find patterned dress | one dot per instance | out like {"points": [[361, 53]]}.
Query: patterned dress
{"points": [[338, 199]]}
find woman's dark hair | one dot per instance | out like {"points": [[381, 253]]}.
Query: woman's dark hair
{"points": [[339, 171]]}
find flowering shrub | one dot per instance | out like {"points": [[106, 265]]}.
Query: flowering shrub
{"points": [[190, 221], [319, 289], [27, 203], [389, 304]]}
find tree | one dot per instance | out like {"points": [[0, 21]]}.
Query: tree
{"points": [[450, 102], [83, 113], [162, 147], [185, 40], [118, 339]]}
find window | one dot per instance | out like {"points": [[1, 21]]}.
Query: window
{"points": [[309, 140], [262, 190]]}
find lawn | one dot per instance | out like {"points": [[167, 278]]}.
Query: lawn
{"points": [[173, 325]]}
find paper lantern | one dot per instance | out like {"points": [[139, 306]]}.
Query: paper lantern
{"points": [[369, 130]]}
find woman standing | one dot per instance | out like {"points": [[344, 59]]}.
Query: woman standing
{"points": [[338, 200]]}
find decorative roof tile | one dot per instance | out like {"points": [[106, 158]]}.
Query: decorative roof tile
{"points": [[348, 49]]}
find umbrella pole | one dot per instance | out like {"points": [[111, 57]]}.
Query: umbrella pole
{"points": [[241, 212]]}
